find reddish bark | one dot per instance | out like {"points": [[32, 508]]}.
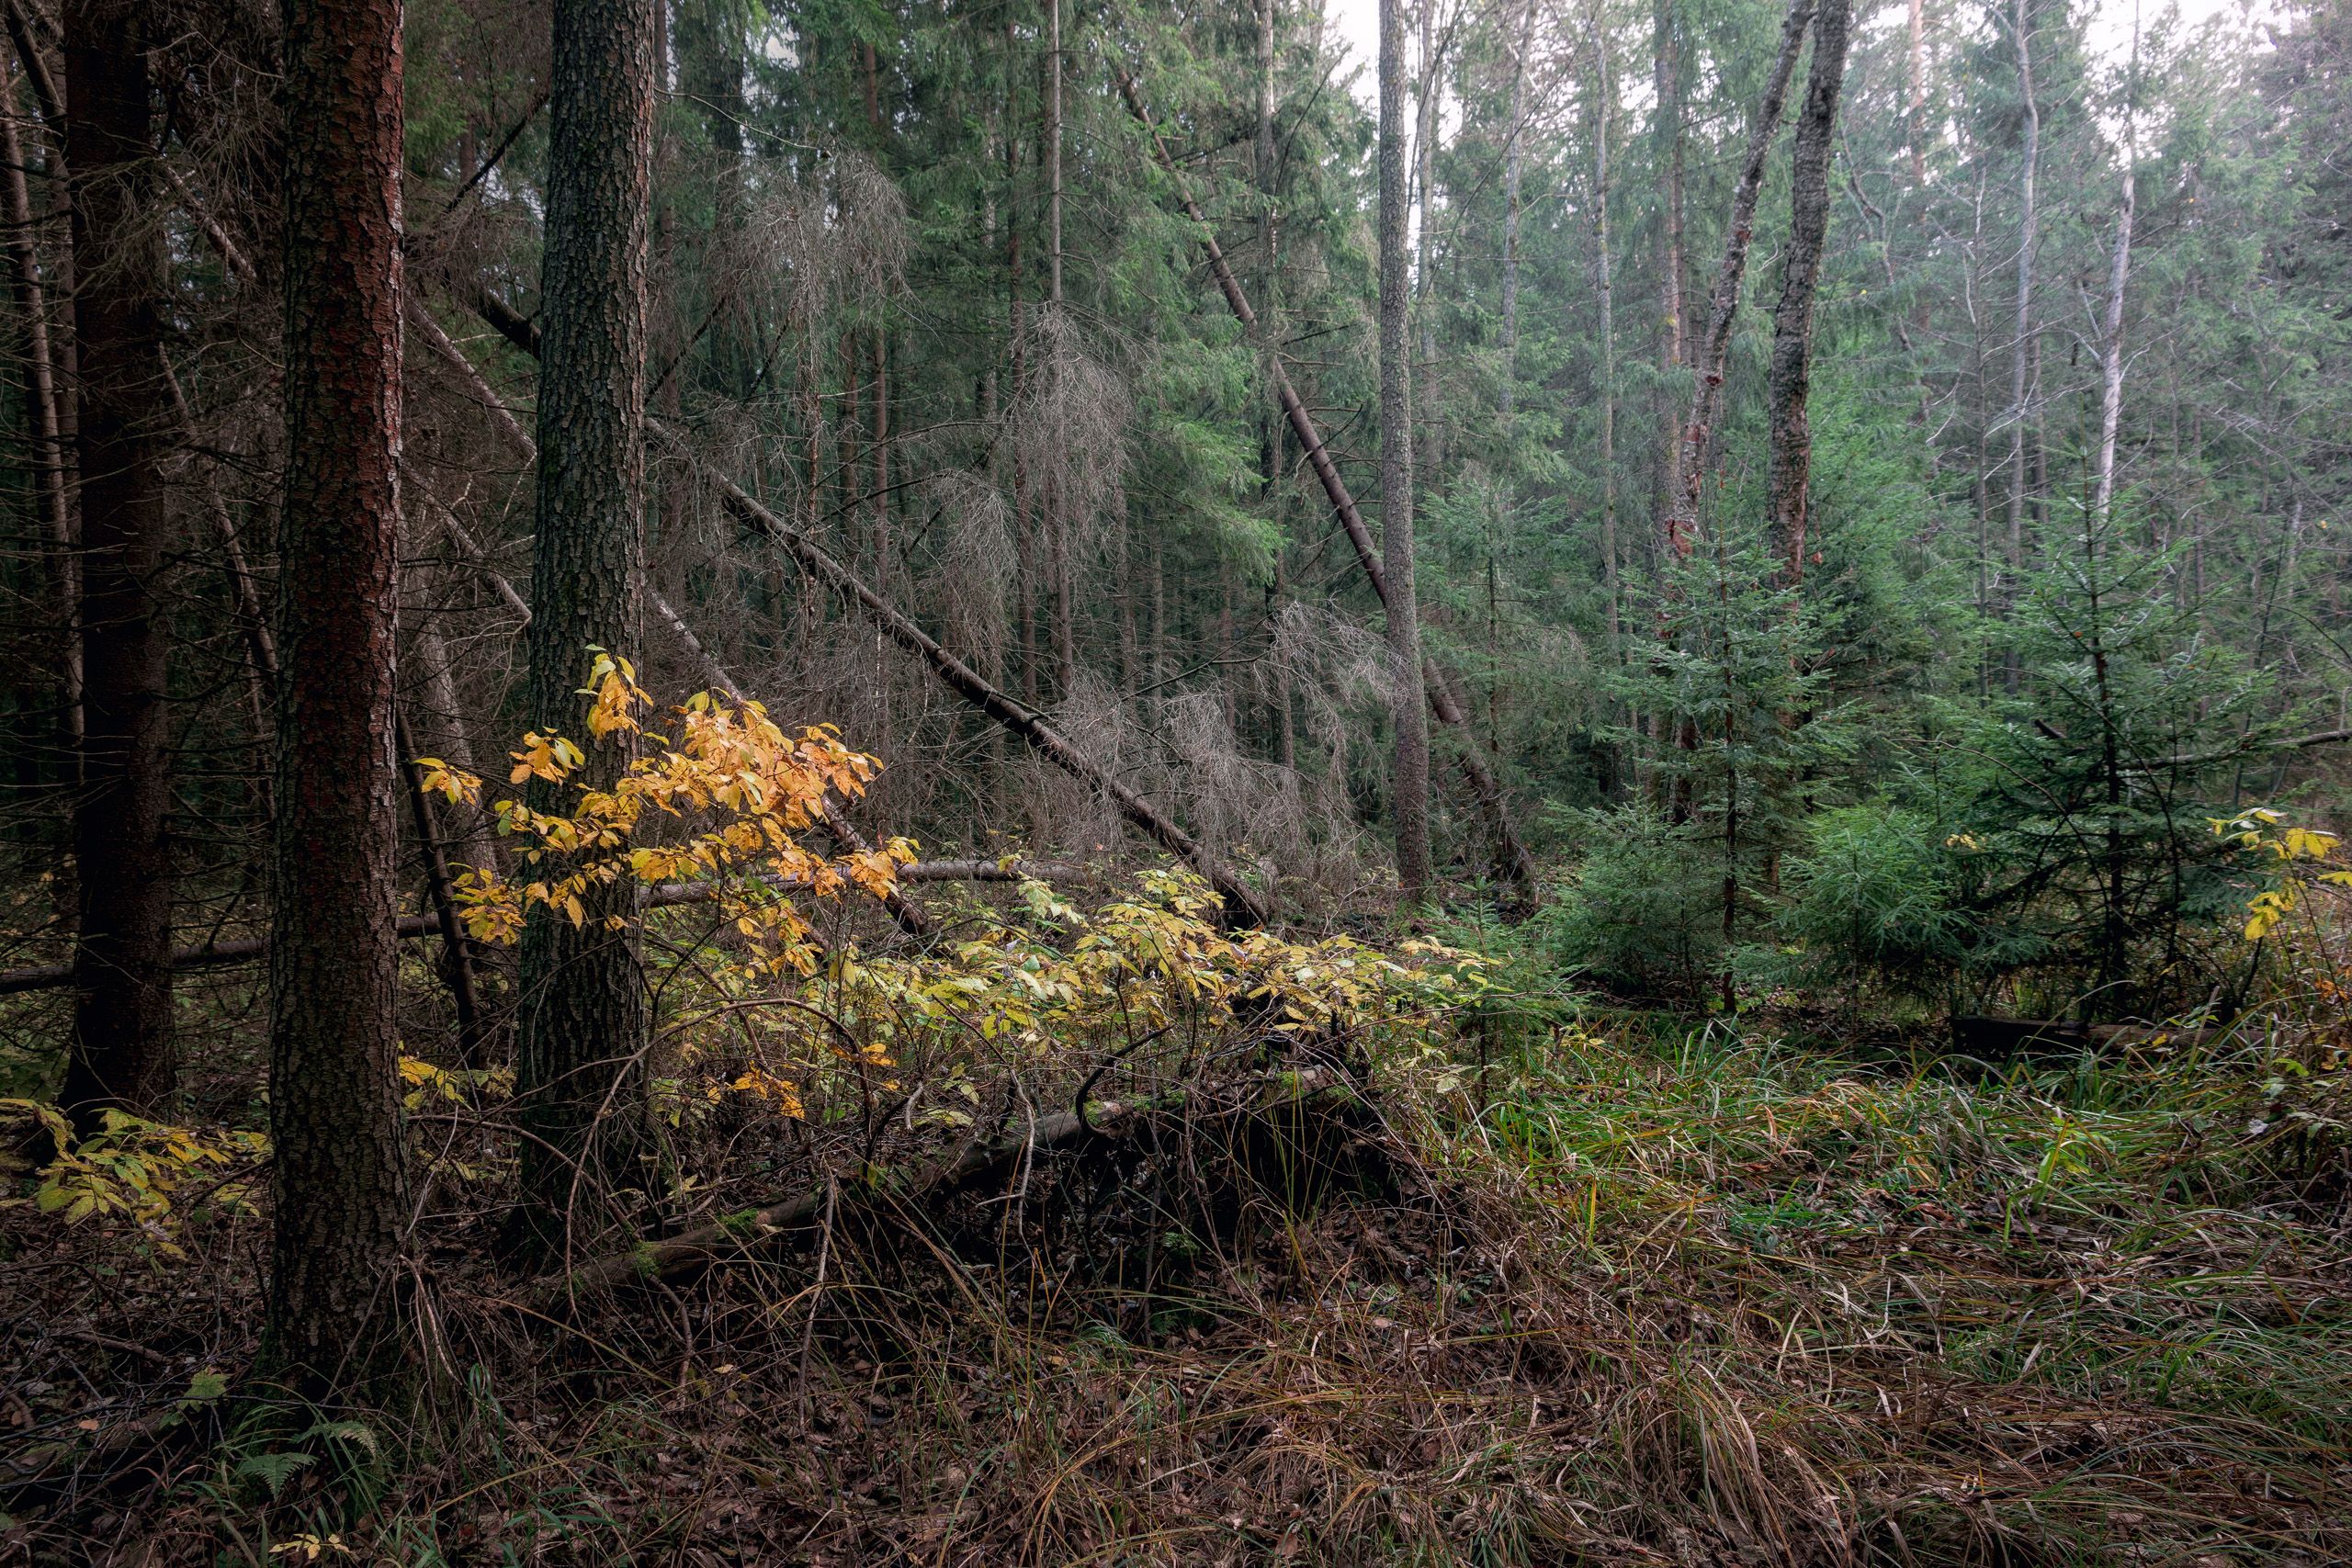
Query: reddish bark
{"points": [[334, 1327]]}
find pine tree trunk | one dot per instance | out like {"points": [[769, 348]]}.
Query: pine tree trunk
{"points": [[1788, 380], [1410, 773], [582, 1004], [121, 1053], [339, 1167]]}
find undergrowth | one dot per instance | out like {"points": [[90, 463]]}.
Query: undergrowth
{"points": [[1397, 1262]]}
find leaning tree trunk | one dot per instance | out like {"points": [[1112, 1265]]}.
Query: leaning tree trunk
{"points": [[1512, 859], [334, 1328], [1787, 380], [581, 1004], [1722, 310], [121, 1053], [1411, 774]]}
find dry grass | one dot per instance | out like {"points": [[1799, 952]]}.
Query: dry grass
{"points": [[1606, 1299]]}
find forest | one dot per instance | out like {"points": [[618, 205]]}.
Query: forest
{"points": [[1149, 783]]}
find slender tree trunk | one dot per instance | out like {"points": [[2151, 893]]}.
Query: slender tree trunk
{"points": [[1604, 286], [1410, 776], [1914, 107], [1789, 378], [1058, 525], [1673, 351], [2021, 347], [1707, 396], [48, 432], [1428, 433], [1512, 859], [1270, 436], [339, 1167], [582, 1005], [121, 1053], [2118, 273], [1512, 158]]}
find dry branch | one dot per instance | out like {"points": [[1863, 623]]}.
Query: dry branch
{"points": [[249, 950], [1241, 905], [1517, 865]]}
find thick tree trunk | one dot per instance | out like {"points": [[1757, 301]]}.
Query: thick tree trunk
{"points": [[1409, 776], [581, 1001], [121, 1053], [1788, 380], [334, 1324], [1707, 396]]}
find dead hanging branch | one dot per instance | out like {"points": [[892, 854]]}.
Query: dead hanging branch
{"points": [[1241, 904], [1517, 865]]}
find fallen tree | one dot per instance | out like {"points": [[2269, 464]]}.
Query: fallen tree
{"points": [[1242, 903], [1313, 1117], [1517, 865]]}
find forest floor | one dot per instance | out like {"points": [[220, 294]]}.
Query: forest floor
{"points": [[1621, 1295]]}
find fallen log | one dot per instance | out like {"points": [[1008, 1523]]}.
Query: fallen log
{"points": [[252, 950], [1518, 866], [1285, 1103], [1241, 905]]}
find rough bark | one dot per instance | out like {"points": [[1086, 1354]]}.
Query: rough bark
{"points": [[1788, 380], [122, 1051], [1722, 310], [1410, 773], [581, 1005], [333, 1329]]}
